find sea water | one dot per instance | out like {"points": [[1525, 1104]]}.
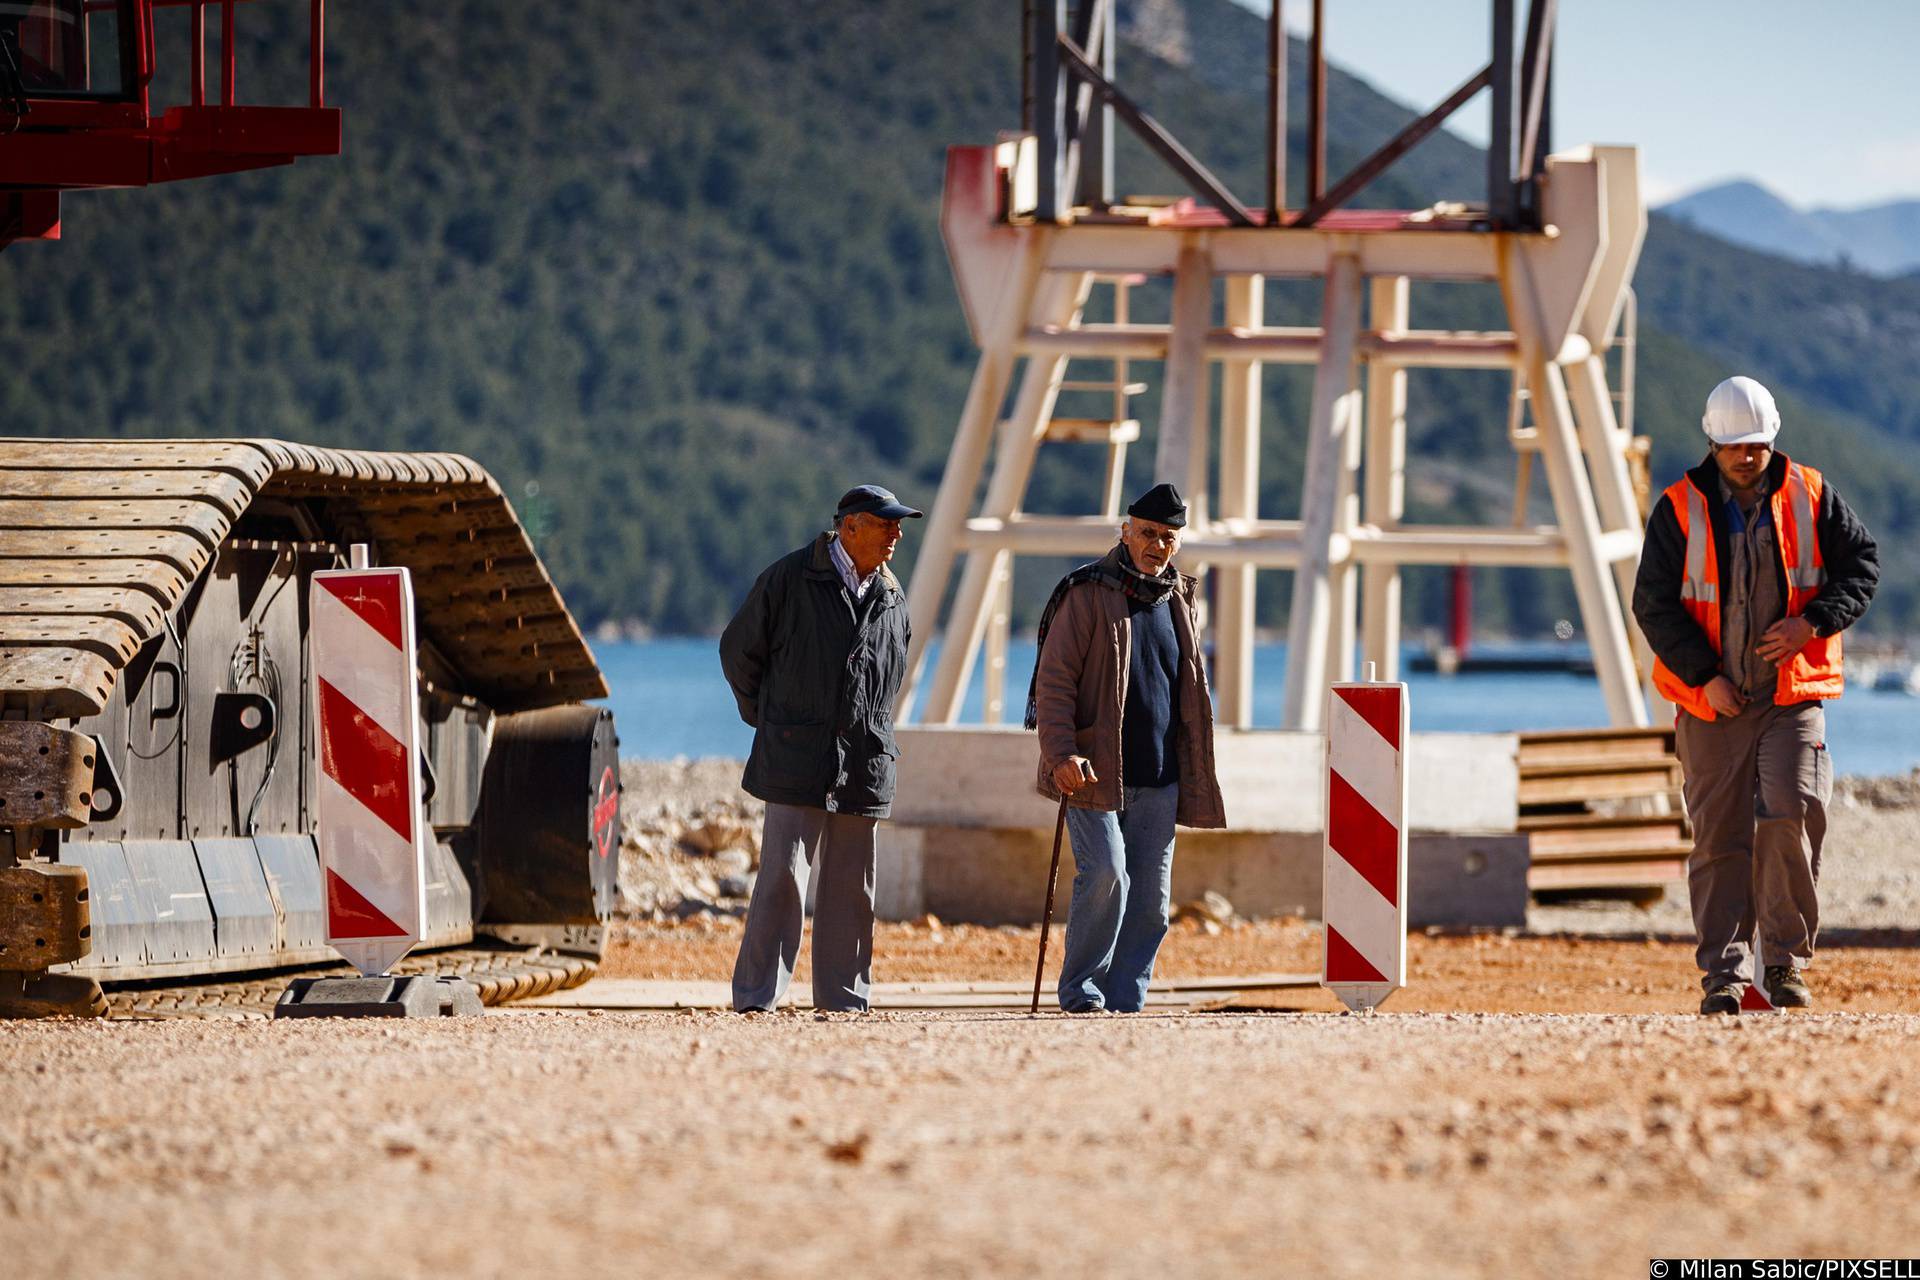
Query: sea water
{"points": [[669, 699]]}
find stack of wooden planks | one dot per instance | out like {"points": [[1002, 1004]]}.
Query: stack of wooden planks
{"points": [[1602, 808]]}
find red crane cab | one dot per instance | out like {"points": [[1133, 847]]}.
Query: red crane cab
{"points": [[77, 111]]}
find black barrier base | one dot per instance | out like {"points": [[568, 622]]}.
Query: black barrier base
{"points": [[409, 997]]}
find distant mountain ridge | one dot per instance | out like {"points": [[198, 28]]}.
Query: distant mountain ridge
{"points": [[673, 273], [1883, 239]]}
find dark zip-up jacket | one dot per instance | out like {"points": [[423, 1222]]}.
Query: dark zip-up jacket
{"points": [[815, 672], [1847, 551]]}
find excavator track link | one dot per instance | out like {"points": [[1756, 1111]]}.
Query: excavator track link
{"points": [[501, 975]]}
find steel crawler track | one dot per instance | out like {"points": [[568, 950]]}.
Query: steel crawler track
{"points": [[502, 975]]}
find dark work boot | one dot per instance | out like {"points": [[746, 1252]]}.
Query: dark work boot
{"points": [[1724, 998], [1788, 987]]}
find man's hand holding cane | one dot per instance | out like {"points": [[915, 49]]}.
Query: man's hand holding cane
{"points": [[1073, 773]]}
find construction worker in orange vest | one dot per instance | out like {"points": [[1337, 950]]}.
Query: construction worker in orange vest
{"points": [[1752, 568]]}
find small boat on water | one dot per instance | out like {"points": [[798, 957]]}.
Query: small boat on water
{"points": [[1894, 677], [1446, 660]]}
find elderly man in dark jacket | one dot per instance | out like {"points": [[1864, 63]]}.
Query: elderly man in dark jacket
{"points": [[1126, 734], [815, 657]]}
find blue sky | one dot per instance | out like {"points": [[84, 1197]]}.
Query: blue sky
{"points": [[1820, 102]]}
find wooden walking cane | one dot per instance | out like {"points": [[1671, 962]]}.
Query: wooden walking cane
{"points": [[1046, 919]]}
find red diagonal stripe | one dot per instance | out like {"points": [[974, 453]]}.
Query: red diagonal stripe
{"points": [[1344, 964], [366, 760], [1366, 840], [350, 915], [1379, 708], [1754, 1000], [374, 596]]}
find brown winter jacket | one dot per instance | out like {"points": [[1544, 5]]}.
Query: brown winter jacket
{"points": [[1080, 691]]}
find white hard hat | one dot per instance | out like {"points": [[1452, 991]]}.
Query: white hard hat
{"points": [[1741, 411]]}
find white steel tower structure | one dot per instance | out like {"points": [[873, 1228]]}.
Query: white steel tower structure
{"points": [[1560, 235]]}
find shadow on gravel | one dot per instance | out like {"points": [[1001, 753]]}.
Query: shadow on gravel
{"points": [[1882, 939], [1888, 939]]}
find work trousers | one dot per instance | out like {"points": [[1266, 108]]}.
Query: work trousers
{"points": [[793, 839], [1757, 786], [1122, 890]]}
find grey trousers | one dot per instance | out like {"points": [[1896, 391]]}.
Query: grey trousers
{"points": [[793, 838], [1757, 786]]}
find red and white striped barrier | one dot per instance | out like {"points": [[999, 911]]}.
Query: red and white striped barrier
{"points": [[367, 811], [1756, 998], [1364, 906]]}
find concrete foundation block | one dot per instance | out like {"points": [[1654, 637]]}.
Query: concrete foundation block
{"points": [[986, 875], [992, 875], [1464, 881], [899, 885]]}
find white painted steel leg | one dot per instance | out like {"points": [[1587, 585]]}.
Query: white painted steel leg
{"points": [[1110, 501], [1605, 445], [1183, 396], [1239, 500], [1386, 481], [1343, 576], [1333, 389], [999, 602], [1580, 523], [968, 455], [1059, 301]]}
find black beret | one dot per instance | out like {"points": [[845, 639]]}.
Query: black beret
{"points": [[1161, 504]]}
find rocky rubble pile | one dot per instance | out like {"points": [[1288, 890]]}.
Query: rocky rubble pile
{"points": [[691, 839], [1897, 792]]}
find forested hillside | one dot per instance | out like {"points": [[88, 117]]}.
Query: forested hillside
{"points": [[673, 272]]}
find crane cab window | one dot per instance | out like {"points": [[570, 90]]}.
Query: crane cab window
{"points": [[64, 48]]}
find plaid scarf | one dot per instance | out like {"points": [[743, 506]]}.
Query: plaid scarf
{"points": [[1114, 570]]}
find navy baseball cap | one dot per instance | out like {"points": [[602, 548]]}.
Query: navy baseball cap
{"points": [[871, 499]]}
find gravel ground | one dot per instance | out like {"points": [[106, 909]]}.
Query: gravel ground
{"points": [[1446, 973], [1529, 1105], [555, 1144]]}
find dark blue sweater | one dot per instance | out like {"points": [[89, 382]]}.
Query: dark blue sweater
{"points": [[1148, 725]]}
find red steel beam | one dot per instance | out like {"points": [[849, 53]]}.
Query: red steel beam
{"points": [[317, 54], [226, 53], [1276, 116], [1317, 106], [1535, 72], [1395, 147], [199, 72], [1154, 135]]}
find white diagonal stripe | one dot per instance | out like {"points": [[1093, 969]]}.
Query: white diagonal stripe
{"points": [[1366, 761], [368, 854], [357, 660], [1374, 926]]}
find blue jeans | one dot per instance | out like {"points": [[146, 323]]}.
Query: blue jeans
{"points": [[1122, 889]]}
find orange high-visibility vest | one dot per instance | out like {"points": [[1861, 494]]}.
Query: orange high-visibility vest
{"points": [[1814, 672]]}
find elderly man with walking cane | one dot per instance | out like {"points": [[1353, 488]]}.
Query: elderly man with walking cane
{"points": [[1120, 698], [815, 658]]}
